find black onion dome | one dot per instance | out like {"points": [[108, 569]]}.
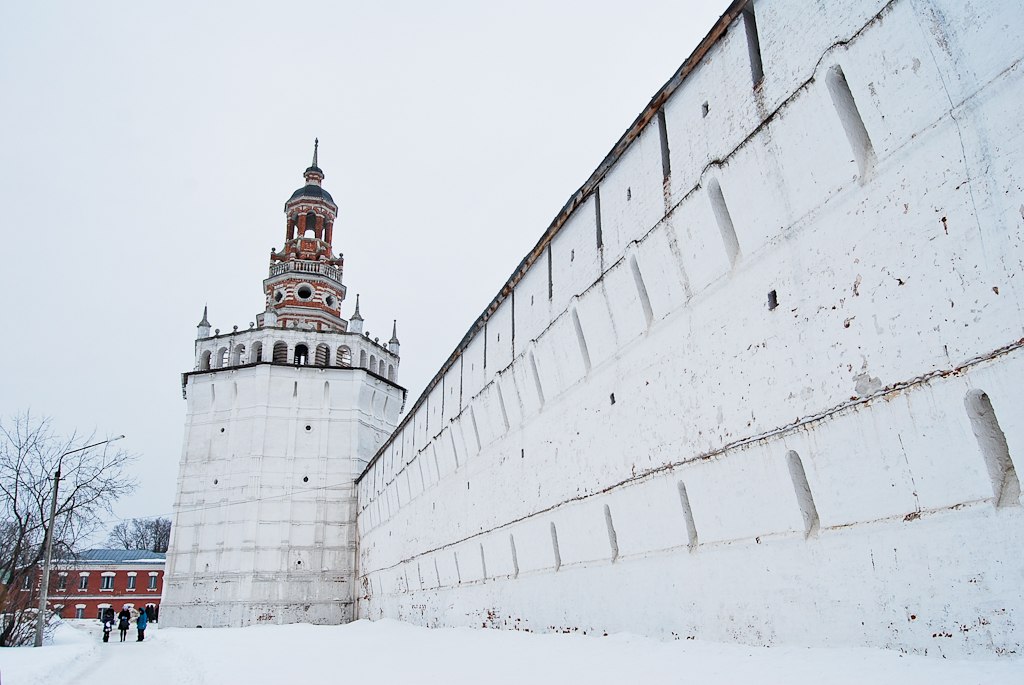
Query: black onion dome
{"points": [[311, 191]]}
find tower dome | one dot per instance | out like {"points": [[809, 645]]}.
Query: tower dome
{"points": [[313, 190]]}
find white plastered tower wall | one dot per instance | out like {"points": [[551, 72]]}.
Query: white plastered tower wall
{"points": [[760, 381], [263, 530], [280, 419]]}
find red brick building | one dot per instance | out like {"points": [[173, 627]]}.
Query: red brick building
{"points": [[99, 578]]}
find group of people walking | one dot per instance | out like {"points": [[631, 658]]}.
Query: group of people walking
{"points": [[124, 621]]}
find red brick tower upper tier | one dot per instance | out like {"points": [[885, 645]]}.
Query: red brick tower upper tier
{"points": [[304, 289]]}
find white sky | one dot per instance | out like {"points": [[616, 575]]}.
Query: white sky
{"points": [[147, 149]]}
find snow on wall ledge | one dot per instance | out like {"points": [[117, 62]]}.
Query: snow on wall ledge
{"points": [[761, 380]]}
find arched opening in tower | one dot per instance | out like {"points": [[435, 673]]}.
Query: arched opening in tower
{"points": [[310, 231], [344, 357], [280, 352], [323, 355], [301, 355]]}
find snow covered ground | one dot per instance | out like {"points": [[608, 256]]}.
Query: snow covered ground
{"points": [[394, 652]]}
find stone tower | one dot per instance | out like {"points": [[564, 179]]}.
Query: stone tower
{"points": [[280, 419]]}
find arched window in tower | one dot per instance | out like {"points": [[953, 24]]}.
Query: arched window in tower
{"points": [[391, 372], [280, 352], [381, 369], [362, 359], [222, 357], [256, 354], [323, 355], [237, 355], [344, 356], [301, 355], [204, 360], [373, 364], [310, 231]]}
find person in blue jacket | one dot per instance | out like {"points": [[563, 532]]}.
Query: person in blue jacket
{"points": [[141, 623]]}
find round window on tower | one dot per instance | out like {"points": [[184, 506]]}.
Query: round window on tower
{"points": [[330, 301], [278, 296], [304, 292]]}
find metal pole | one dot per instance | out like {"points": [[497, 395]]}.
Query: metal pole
{"points": [[44, 587]]}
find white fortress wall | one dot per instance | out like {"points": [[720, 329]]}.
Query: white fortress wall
{"points": [[762, 382]]}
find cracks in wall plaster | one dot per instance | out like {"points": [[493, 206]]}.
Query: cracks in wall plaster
{"points": [[910, 474], [937, 36], [677, 259]]}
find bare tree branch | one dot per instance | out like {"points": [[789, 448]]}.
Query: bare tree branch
{"points": [[91, 482]]}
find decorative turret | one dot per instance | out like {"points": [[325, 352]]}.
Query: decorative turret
{"points": [[355, 324], [204, 326], [269, 317], [393, 343]]}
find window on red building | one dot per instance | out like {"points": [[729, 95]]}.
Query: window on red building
{"points": [[131, 582], [108, 583], [83, 582], [152, 582], [62, 581]]}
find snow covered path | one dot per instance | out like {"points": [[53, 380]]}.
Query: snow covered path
{"points": [[392, 652]]}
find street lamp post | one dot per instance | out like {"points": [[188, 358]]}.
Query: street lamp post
{"points": [[44, 589]]}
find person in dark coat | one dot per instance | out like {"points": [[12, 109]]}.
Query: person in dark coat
{"points": [[108, 623], [141, 622], [124, 621]]}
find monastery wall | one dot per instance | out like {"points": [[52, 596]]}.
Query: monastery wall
{"points": [[760, 381]]}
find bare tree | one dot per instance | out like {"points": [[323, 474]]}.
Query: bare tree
{"points": [[120, 536], [153, 534], [161, 534], [91, 480]]}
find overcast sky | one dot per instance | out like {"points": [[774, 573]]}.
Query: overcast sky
{"points": [[147, 149]]}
